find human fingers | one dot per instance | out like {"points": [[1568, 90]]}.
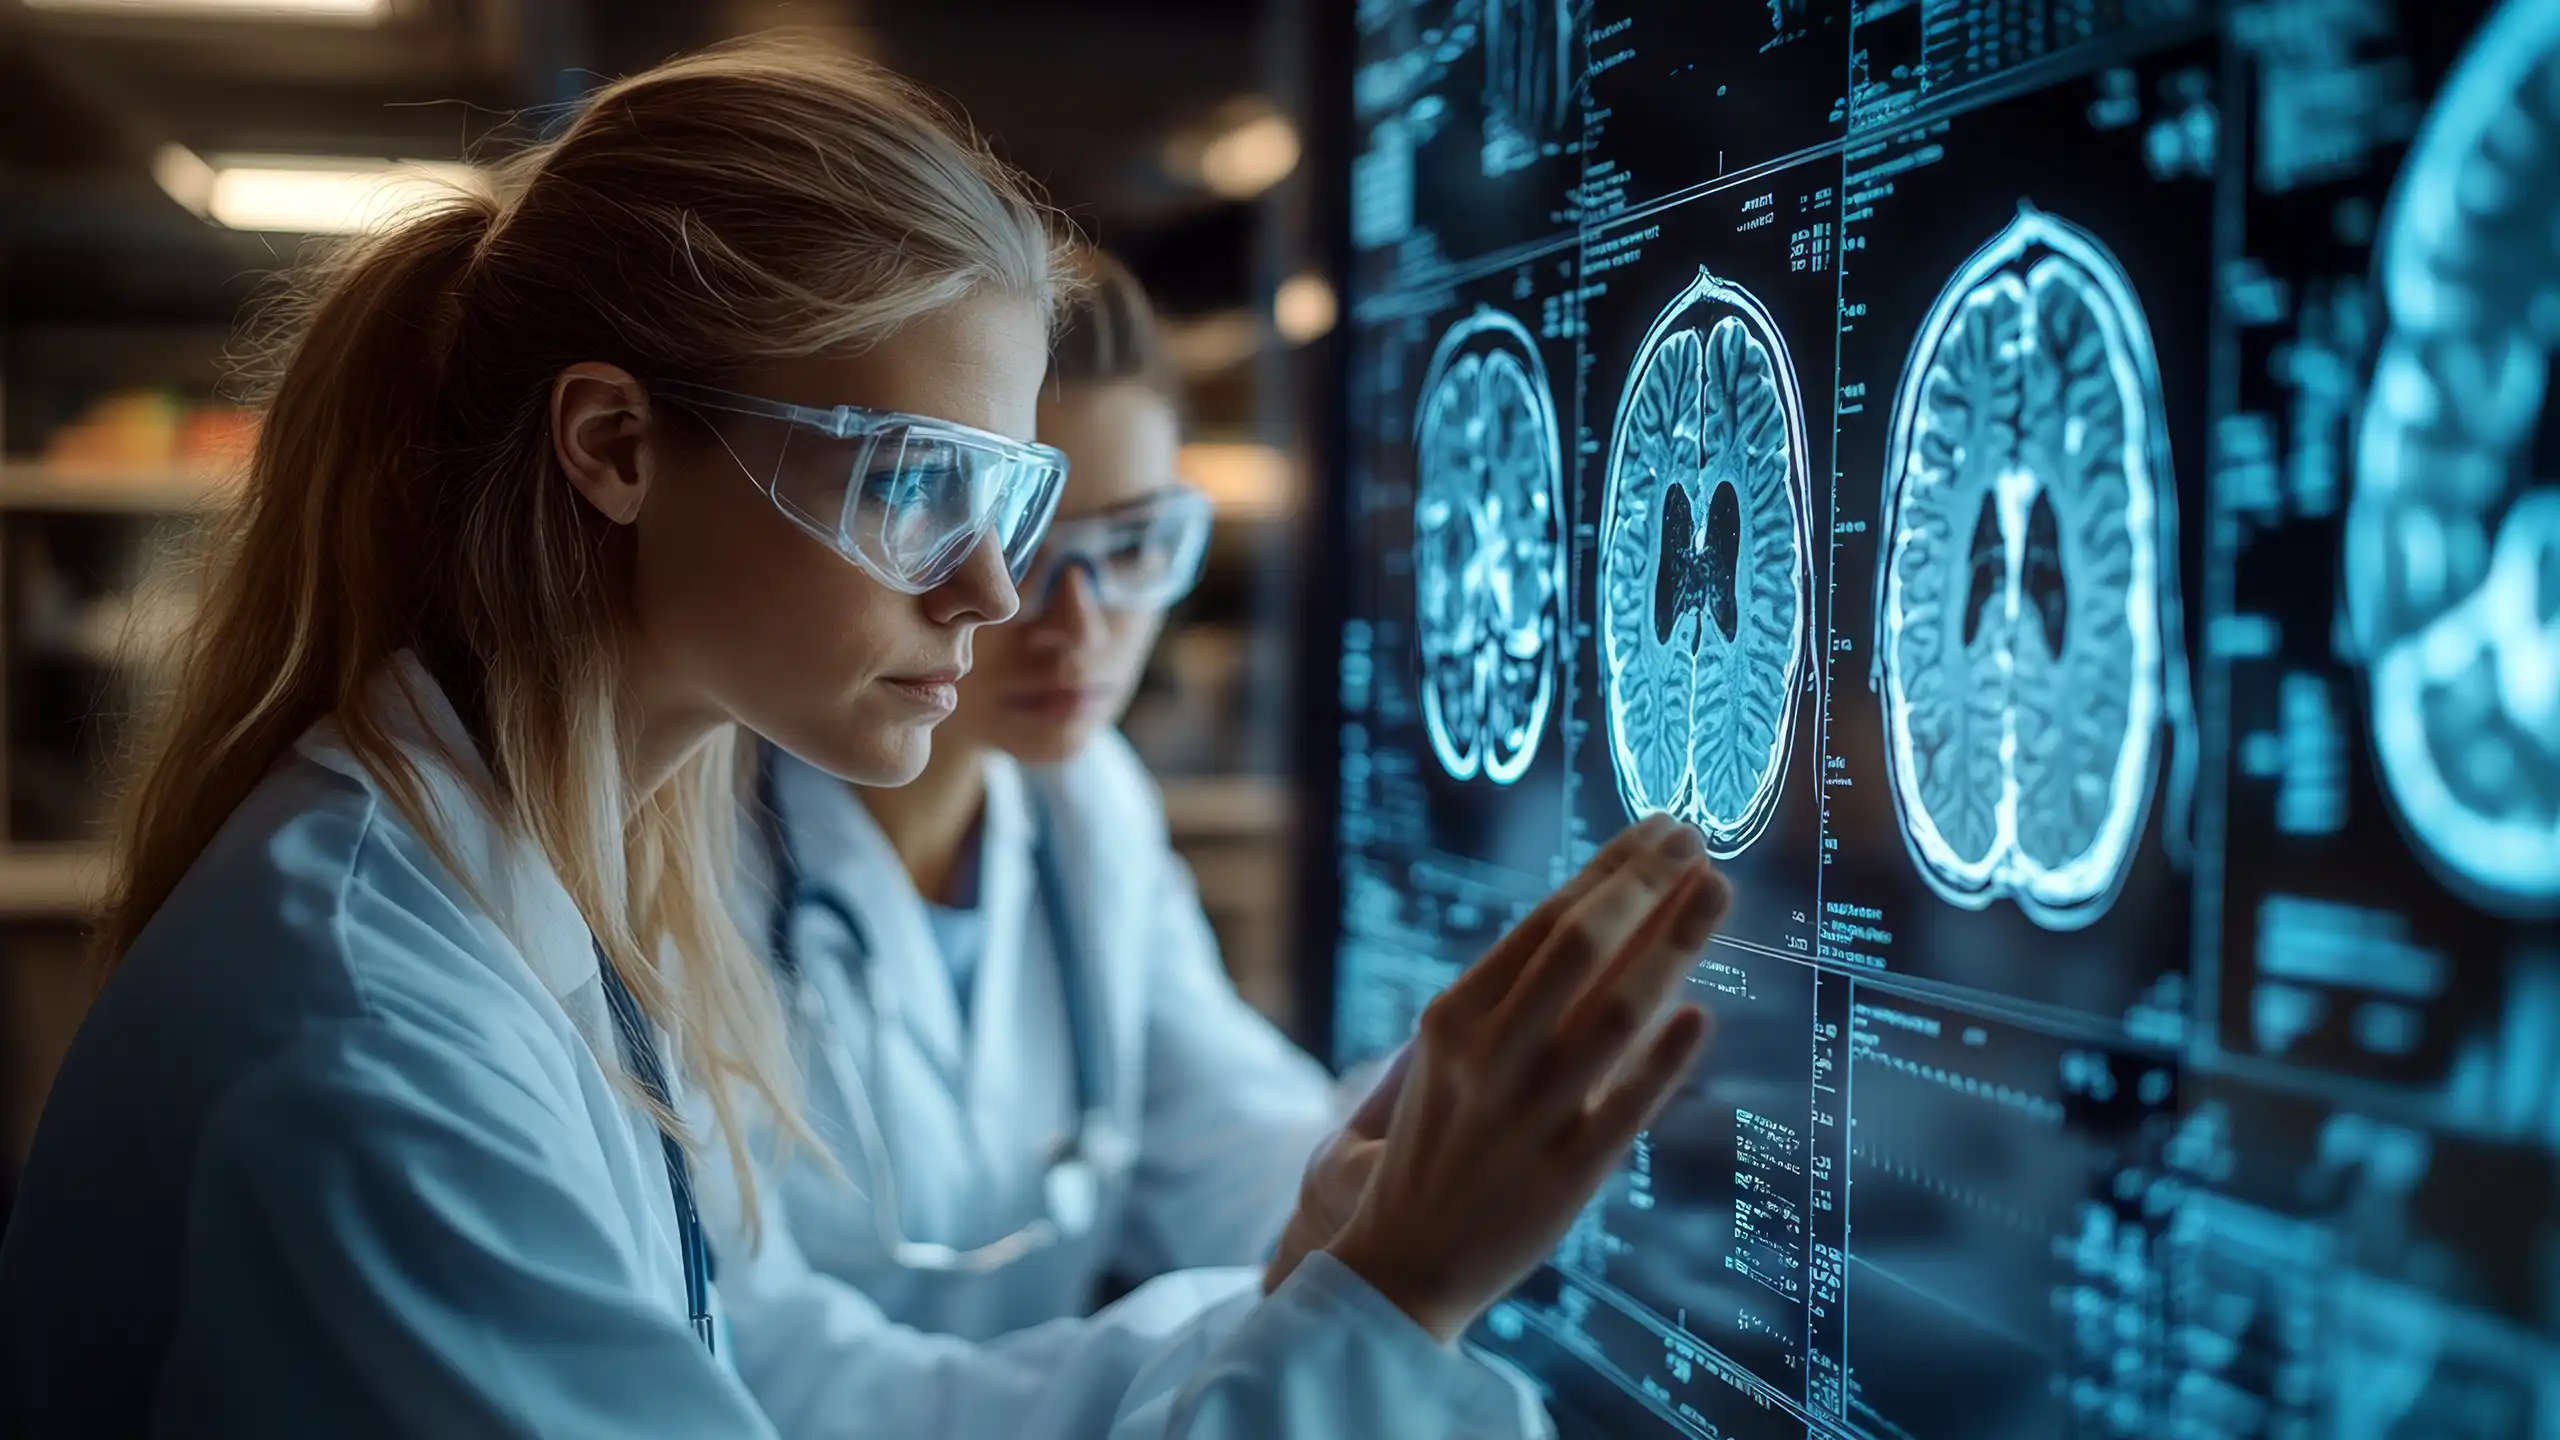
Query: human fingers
{"points": [[1610, 1125], [1593, 931], [1490, 978], [1658, 958], [1602, 1024]]}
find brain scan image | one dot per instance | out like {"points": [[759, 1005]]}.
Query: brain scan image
{"points": [[2027, 636], [1706, 553], [2452, 542], [1488, 547]]}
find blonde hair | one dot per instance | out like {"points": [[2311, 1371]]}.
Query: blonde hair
{"points": [[749, 204]]}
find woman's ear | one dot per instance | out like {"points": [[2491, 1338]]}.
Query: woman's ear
{"points": [[599, 423]]}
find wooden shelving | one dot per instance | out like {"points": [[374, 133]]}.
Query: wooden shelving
{"points": [[25, 486], [50, 882], [45, 877], [1225, 806]]}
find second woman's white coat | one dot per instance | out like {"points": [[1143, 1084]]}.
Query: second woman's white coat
{"points": [[971, 1099]]}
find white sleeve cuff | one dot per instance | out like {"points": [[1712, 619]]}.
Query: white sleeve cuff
{"points": [[1324, 1357], [1525, 1390], [1476, 1398]]}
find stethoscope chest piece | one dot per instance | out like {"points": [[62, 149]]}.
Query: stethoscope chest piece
{"points": [[1075, 1196], [1077, 1179]]}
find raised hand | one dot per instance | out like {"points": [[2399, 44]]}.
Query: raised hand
{"points": [[1528, 1079]]}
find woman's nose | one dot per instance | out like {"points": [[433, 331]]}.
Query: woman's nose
{"points": [[1074, 613], [981, 589]]}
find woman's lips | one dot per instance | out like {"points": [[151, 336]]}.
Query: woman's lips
{"points": [[1058, 703], [935, 693]]}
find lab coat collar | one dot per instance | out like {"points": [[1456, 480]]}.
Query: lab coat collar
{"points": [[841, 851], [532, 911], [1106, 831], [1007, 898], [521, 908]]}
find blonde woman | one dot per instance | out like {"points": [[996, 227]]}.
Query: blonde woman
{"points": [[714, 415]]}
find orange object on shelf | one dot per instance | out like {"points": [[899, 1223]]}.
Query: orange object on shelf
{"points": [[130, 430], [150, 437], [217, 438]]}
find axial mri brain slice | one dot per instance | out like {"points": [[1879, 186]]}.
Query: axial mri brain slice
{"points": [[1705, 566], [2452, 541], [1488, 546], [2027, 631]]}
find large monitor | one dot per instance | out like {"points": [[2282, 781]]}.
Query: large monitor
{"points": [[2062, 493]]}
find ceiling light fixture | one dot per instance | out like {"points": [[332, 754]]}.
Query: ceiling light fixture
{"points": [[342, 12], [1303, 309], [303, 195], [1249, 157]]}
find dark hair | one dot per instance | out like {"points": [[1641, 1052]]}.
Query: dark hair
{"points": [[1107, 332]]}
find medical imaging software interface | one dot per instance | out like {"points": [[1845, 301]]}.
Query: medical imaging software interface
{"points": [[2062, 494]]}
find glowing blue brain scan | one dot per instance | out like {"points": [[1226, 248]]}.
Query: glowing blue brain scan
{"points": [[1705, 566], [1488, 547], [2027, 621], [2084, 552], [2452, 542]]}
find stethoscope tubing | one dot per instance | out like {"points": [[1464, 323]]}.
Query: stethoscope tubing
{"points": [[793, 896]]}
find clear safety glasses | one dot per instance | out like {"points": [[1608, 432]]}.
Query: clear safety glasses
{"points": [[1143, 555], [906, 497]]}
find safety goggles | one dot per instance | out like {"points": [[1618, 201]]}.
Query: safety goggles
{"points": [[1142, 555], [906, 497]]}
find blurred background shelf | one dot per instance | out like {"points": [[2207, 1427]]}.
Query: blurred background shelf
{"points": [[31, 486], [50, 883], [1226, 806]]}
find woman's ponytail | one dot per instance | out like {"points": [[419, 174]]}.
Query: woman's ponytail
{"points": [[749, 204], [297, 575]]}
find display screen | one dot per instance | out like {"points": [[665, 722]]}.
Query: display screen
{"points": [[2061, 492]]}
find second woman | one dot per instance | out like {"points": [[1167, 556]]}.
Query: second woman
{"points": [[1027, 1063]]}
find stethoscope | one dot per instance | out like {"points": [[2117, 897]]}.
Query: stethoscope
{"points": [[1073, 1187]]}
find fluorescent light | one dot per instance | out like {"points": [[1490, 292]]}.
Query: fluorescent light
{"points": [[184, 177], [357, 12], [1249, 158], [301, 194], [1303, 309]]}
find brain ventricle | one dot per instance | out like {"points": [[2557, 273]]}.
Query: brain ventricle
{"points": [[1705, 566], [2025, 617]]}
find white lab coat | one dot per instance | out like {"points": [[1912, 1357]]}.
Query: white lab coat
{"points": [[335, 1154], [1223, 1108]]}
